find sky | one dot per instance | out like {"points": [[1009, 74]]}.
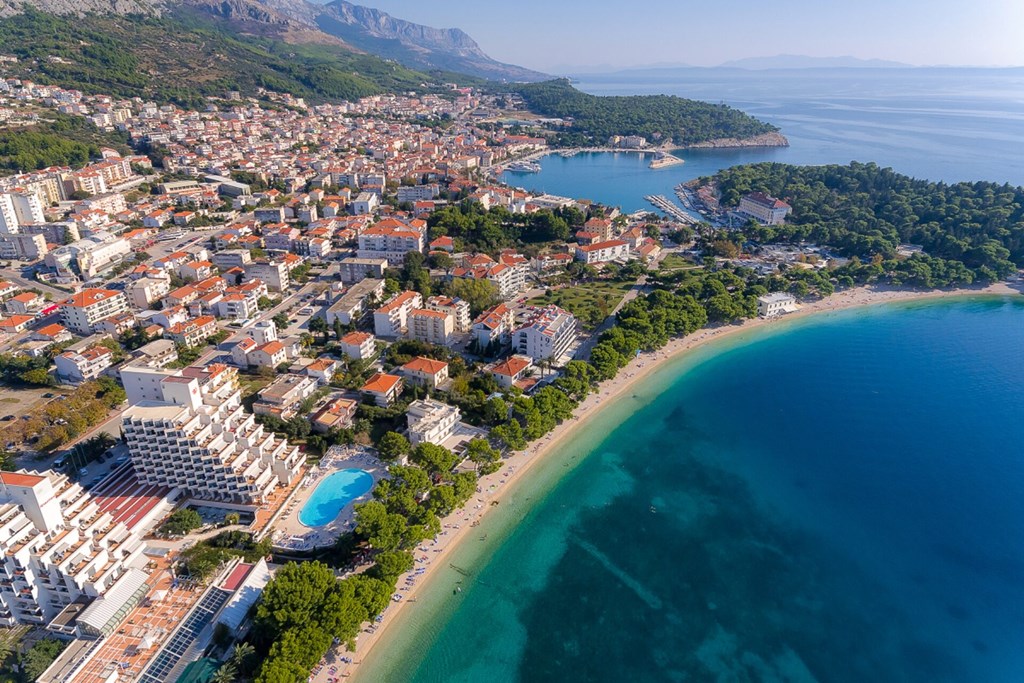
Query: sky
{"points": [[551, 35]]}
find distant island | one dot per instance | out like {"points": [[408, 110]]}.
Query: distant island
{"points": [[805, 62]]}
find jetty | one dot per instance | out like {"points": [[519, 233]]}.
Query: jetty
{"points": [[664, 160], [662, 203]]}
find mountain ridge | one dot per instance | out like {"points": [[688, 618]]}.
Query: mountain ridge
{"points": [[339, 23]]}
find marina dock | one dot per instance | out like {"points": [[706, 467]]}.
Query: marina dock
{"points": [[663, 204]]}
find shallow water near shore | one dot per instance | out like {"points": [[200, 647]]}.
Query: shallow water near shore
{"points": [[837, 499]]}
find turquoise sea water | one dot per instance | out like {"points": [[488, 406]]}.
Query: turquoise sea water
{"points": [[839, 498], [332, 495], [939, 124]]}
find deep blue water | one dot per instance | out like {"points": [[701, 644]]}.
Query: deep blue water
{"points": [[332, 495], [838, 499], [939, 124]]}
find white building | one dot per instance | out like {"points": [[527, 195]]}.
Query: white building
{"points": [[81, 312], [144, 291], [365, 203], [457, 308], [548, 334], [274, 273], [199, 438], [391, 320], [777, 303], [391, 239], [494, 326], [764, 209], [603, 252], [358, 345], [60, 544], [75, 367], [18, 209], [351, 305], [431, 421], [432, 327]]}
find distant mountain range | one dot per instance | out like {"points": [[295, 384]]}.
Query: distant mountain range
{"points": [[338, 23], [805, 62]]}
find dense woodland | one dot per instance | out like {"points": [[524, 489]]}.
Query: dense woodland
{"points": [[969, 231], [659, 118], [184, 58], [60, 140]]}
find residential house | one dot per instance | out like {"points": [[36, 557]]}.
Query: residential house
{"points": [[510, 370], [322, 370], [425, 372], [193, 332], [338, 414], [284, 395], [358, 345], [384, 389]]}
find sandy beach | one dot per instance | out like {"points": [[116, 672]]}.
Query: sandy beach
{"points": [[458, 526]]}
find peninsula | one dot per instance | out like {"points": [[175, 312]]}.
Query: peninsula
{"points": [[287, 312]]}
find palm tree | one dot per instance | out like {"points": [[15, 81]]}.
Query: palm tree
{"points": [[227, 673], [243, 656]]}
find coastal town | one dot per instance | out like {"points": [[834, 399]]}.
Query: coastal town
{"points": [[272, 337]]}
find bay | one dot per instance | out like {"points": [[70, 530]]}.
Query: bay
{"points": [[838, 498], [946, 125]]}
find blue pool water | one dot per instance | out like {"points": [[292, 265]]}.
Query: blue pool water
{"points": [[333, 494]]}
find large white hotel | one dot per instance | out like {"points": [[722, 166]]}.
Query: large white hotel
{"points": [[73, 560], [189, 430]]}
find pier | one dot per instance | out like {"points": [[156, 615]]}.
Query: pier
{"points": [[663, 204]]}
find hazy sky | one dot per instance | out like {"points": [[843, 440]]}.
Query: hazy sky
{"points": [[547, 34]]}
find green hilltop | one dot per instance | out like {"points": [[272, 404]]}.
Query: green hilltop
{"points": [[184, 58], [659, 118]]}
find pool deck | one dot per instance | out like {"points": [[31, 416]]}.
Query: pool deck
{"points": [[291, 534]]}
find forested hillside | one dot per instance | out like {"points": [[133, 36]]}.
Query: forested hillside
{"points": [[183, 59], [659, 118], [864, 210]]}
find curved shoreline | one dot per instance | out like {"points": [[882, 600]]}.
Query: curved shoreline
{"points": [[458, 526]]}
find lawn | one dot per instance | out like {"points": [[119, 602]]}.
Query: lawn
{"points": [[676, 262], [591, 302]]}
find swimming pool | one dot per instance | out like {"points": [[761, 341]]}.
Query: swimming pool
{"points": [[332, 495]]}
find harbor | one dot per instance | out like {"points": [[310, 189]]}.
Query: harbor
{"points": [[665, 205]]}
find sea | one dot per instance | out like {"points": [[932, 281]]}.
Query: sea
{"points": [[947, 125], [832, 498]]}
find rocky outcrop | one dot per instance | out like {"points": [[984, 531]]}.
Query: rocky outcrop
{"points": [[775, 139], [11, 7], [300, 21], [415, 45]]}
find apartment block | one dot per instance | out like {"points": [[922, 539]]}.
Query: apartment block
{"points": [[432, 327], [392, 319], [548, 334], [457, 308], [431, 421], [199, 438], [81, 312], [75, 367], [62, 547]]}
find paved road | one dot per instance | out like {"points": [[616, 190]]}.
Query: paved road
{"points": [[14, 275]]}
